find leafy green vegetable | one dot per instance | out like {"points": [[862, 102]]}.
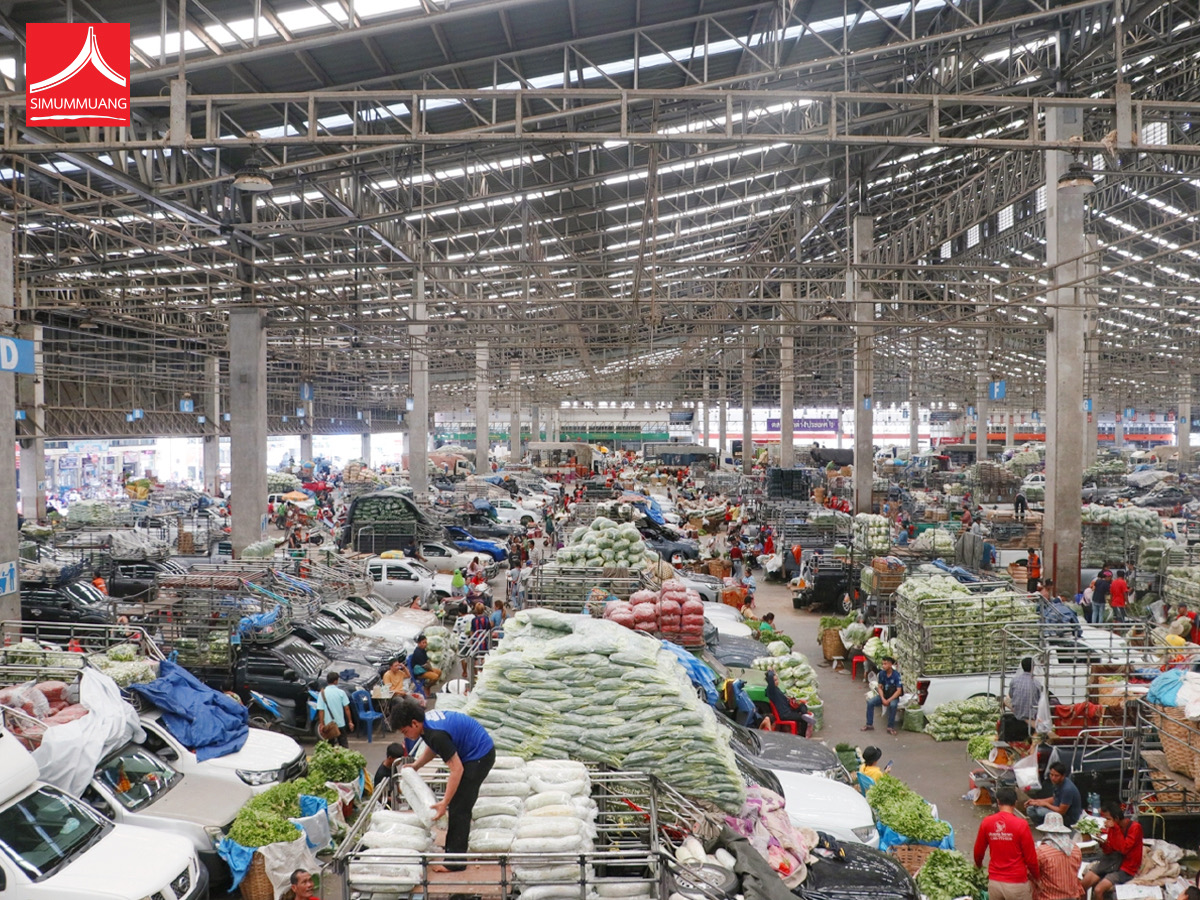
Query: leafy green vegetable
{"points": [[264, 818], [980, 746], [905, 811], [1088, 827], [332, 763], [947, 875]]}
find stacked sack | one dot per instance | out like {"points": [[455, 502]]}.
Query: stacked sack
{"points": [[794, 673], [645, 611], [390, 859], [675, 612], [500, 804], [559, 818], [561, 687]]}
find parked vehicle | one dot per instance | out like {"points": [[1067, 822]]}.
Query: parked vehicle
{"points": [[464, 540], [485, 524], [134, 579], [59, 848], [402, 581], [862, 874], [669, 548], [57, 607], [778, 750], [446, 558], [513, 511]]}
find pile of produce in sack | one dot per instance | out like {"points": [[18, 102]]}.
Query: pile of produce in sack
{"points": [[606, 543], [124, 665], [872, 534], [935, 540], [947, 875], [1097, 470], [559, 687], [1152, 552], [1024, 459], [961, 720], [675, 612], [876, 648], [260, 550], [50, 702], [1118, 534], [136, 544], [904, 817], [90, 512], [282, 483], [793, 672]]}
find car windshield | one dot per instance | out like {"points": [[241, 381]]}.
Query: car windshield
{"points": [[747, 740], [421, 569], [87, 595], [46, 830], [354, 615], [136, 778], [302, 656]]}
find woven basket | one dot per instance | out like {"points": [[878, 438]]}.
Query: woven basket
{"points": [[912, 856], [256, 885], [831, 644], [720, 568], [1180, 743]]}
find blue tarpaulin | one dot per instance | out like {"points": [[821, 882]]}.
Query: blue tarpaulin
{"points": [[889, 839], [203, 720], [1165, 687], [258, 621], [700, 674], [481, 504]]}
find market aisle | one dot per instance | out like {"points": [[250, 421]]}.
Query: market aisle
{"points": [[939, 772]]}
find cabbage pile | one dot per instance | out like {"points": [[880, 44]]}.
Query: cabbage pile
{"points": [[937, 541], [90, 512], [1101, 469], [560, 687], [1114, 539], [961, 720], [793, 672], [1025, 459], [872, 534], [1182, 585], [876, 648], [1152, 552], [605, 543], [282, 483], [935, 587]]}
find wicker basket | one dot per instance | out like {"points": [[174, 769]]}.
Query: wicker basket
{"points": [[912, 856], [720, 568], [256, 885], [1180, 741], [831, 644]]}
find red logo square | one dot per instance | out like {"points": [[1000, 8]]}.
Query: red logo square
{"points": [[77, 74]]}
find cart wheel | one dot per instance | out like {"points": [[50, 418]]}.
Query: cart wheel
{"points": [[847, 604], [797, 603], [261, 722]]}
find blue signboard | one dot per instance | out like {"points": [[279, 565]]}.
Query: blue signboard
{"points": [[1087, 404], [187, 406], [866, 402], [1130, 412], [970, 410], [306, 391], [997, 390], [16, 355]]}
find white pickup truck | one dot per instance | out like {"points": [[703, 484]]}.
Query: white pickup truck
{"points": [[58, 848]]}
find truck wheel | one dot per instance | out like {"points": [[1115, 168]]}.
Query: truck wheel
{"points": [[526, 521], [797, 603], [847, 604]]}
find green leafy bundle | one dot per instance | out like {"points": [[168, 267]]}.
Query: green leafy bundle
{"points": [[264, 819], [980, 746], [332, 763], [947, 875], [905, 811]]}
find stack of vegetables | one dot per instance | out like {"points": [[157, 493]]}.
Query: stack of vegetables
{"points": [[1152, 553], [947, 875], [980, 746], [259, 550], [90, 512], [124, 665], [793, 671], [603, 544], [1110, 536], [264, 819], [1024, 460], [944, 629], [961, 720], [876, 648], [872, 535], [282, 483], [674, 613], [1104, 470], [559, 686], [906, 813], [1182, 585], [937, 541]]}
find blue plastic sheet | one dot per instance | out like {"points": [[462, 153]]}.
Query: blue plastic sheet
{"points": [[889, 839], [202, 719], [258, 621], [700, 674], [238, 858], [1165, 687]]}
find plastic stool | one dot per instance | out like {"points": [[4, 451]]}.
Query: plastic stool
{"points": [[837, 662], [859, 658]]}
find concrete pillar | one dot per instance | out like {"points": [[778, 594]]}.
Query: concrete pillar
{"points": [[211, 454], [10, 602], [514, 409], [787, 385], [707, 407], [482, 410], [1067, 308], [248, 424], [982, 401], [864, 366], [418, 420], [31, 393], [838, 426], [1010, 431], [747, 405], [365, 440], [306, 440], [1091, 359], [723, 417], [535, 423], [914, 407], [1183, 426]]}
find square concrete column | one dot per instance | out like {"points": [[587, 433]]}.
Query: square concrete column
{"points": [[211, 455], [306, 440], [365, 441], [1183, 427], [248, 424], [418, 419], [747, 405], [707, 407], [514, 410], [864, 367], [31, 392], [982, 400], [10, 598], [1067, 309], [914, 425], [1009, 432], [722, 417], [535, 423], [482, 410], [787, 384]]}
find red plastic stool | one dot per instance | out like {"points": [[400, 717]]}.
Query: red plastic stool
{"points": [[860, 658]]}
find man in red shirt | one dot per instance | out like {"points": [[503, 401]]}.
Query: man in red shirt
{"points": [[1012, 858], [1118, 595], [1122, 847]]}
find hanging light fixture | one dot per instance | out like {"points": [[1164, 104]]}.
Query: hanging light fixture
{"points": [[252, 178]]}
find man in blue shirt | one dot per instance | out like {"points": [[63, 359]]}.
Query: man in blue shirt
{"points": [[887, 693], [1065, 800], [468, 752]]}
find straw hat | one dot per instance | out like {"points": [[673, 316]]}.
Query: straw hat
{"points": [[1053, 824]]}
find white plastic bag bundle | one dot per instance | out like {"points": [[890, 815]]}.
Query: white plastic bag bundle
{"points": [[490, 840], [418, 795], [396, 841], [381, 819]]}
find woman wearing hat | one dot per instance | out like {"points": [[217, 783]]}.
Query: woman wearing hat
{"points": [[1059, 860]]}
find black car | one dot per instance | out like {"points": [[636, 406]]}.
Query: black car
{"points": [[134, 579], [54, 608], [341, 645], [669, 548], [861, 874], [483, 525], [736, 652], [1166, 498], [779, 750]]}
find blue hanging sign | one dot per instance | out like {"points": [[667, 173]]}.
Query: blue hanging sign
{"points": [[16, 355], [1130, 413], [408, 404], [299, 412], [201, 419], [970, 410], [997, 390], [1087, 404], [187, 406], [19, 414], [866, 402], [226, 416], [284, 418], [138, 414], [306, 391]]}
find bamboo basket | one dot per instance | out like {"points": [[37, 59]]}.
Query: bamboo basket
{"points": [[1181, 743], [912, 856], [256, 885], [831, 644], [720, 568]]}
